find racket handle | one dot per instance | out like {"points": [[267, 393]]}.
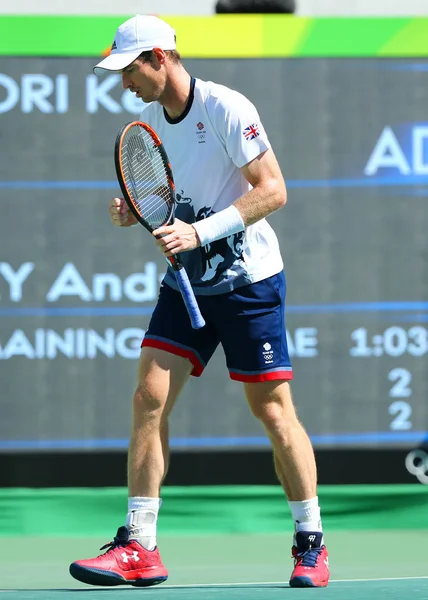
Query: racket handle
{"points": [[189, 298]]}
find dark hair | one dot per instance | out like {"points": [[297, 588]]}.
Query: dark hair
{"points": [[172, 55]]}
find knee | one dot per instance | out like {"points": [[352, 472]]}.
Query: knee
{"points": [[147, 406], [271, 415]]}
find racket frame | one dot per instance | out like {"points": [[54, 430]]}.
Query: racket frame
{"points": [[121, 176], [181, 275]]}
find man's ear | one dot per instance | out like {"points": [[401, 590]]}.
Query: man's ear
{"points": [[160, 55]]}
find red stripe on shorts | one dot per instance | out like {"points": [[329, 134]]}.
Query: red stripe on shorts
{"points": [[198, 367], [272, 376]]}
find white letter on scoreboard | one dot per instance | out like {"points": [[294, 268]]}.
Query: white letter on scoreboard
{"points": [[16, 279], [69, 283], [12, 93], [420, 137], [387, 154], [35, 91], [97, 93]]}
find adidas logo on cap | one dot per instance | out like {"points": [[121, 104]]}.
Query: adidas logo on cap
{"points": [[114, 45]]}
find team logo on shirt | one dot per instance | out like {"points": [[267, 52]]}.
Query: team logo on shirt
{"points": [[201, 133], [251, 132]]}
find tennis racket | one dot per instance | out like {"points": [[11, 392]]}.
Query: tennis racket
{"points": [[145, 177]]}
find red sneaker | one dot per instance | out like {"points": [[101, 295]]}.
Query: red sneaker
{"points": [[310, 561], [126, 562]]}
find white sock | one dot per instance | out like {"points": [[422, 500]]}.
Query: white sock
{"points": [[306, 515], [141, 520]]}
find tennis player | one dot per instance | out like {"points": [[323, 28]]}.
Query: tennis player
{"points": [[227, 180]]}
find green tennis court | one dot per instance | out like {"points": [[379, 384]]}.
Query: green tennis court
{"points": [[220, 543]]}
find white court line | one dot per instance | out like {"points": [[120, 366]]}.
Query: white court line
{"points": [[379, 579], [266, 583], [244, 585]]}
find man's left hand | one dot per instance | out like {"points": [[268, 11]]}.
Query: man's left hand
{"points": [[176, 238]]}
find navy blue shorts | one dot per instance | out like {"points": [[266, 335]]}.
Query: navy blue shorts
{"points": [[248, 322]]}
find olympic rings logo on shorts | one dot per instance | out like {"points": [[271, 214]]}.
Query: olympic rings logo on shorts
{"points": [[417, 464]]}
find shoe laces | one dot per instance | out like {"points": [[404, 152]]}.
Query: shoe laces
{"points": [[120, 539], [309, 557]]}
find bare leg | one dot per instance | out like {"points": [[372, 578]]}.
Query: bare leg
{"points": [[161, 377], [133, 557], [294, 460]]}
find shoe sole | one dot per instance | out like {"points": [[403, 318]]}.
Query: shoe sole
{"points": [[301, 582], [110, 579]]}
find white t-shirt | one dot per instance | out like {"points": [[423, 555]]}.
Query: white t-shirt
{"points": [[218, 133]]}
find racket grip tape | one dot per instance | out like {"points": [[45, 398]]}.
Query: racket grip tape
{"points": [[196, 318]]}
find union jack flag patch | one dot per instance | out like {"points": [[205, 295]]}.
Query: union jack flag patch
{"points": [[251, 132]]}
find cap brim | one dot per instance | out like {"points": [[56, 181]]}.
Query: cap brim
{"points": [[116, 62]]}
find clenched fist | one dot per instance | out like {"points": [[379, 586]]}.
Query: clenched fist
{"points": [[120, 213]]}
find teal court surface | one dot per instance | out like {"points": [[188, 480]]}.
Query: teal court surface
{"points": [[219, 543], [381, 565], [394, 588]]}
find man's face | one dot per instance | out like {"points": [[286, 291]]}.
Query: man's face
{"points": [[145, 79]]}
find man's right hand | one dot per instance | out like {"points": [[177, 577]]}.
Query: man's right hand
{"points": [[120, 213]]}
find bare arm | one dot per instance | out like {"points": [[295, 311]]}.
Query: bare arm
{"points": [[268, 193]]}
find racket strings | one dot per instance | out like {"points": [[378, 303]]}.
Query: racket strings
{"points": [[146, 178]]}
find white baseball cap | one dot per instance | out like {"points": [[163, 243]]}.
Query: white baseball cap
{"points": [[134, 36]]}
